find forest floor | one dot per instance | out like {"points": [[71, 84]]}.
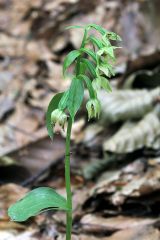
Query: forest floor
{"points": [[115, 165]]}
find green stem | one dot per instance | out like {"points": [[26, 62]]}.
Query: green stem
{"points": [[82, 46], [67, 160], [68, 182]]}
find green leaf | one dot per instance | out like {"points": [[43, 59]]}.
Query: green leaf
{"points": [[51, 107], [89, 52], [83, 68], [76, 93], [89, 65], [64, 99], [105, 84], [95, 41], [69, 59], [36, 201], [89, 85], [73, 27], [98, 28]]}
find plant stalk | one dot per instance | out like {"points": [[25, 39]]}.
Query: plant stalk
{"points": [[82, 46], [67, 161], [68, 182]]}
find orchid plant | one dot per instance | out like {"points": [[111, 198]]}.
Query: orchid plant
{"points": [[92, 66]]}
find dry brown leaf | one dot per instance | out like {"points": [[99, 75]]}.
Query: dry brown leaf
{"points": [[132, 181], [6, 105], [9, 193], [137, 233], [33, 52], [5, 225], [40, 154], [139, 186], [91, 223], [15, 235]]}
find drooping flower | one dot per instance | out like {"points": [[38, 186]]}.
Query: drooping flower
{"points": [[93, 107], [58, 117]]}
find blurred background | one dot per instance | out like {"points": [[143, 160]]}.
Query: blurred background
{"points": [[115, 166]]}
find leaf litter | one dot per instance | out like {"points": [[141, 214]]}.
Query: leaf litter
{"points": [[117, 196]]}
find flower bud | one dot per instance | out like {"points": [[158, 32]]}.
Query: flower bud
{"points": [[93, 107], [96, 84], [59, 117]]}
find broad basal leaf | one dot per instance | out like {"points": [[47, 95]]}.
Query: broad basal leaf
{"points": [[36, 201], [51, 107], [70, 59], [76, 93]]}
